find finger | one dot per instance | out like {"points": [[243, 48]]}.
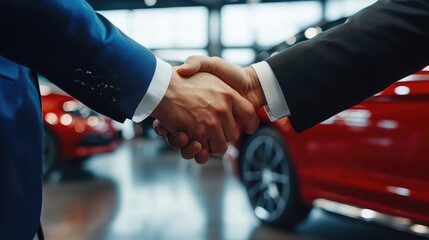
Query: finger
{"points": [[213, 65], [223, 69], [178, 140], [159, 129], [202, 157], [244, 111], [191, 66], [217, 142], [230, 128], [191, 150]]}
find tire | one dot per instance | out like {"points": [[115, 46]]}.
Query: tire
{"points": [[270, 180], [50, 152]]}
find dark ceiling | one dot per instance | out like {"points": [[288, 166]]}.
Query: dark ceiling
{"points": [[133, 4]]}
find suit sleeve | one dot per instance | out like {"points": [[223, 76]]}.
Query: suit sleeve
{"points": [[78, 50], [347, 64]]}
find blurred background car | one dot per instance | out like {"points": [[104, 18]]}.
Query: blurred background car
{"points": [[72, 131], [368, 162], [306, 34]]}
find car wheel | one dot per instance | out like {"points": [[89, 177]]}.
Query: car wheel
{"points": [[50, 152], [270, 180]]}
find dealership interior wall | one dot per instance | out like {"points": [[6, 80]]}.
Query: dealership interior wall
{"points": [[236, 32]]}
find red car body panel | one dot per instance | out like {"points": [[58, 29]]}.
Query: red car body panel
{"points": [[74, 137], [374, 155]]}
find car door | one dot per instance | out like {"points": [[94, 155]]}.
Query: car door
{"points": [[376, 153]]}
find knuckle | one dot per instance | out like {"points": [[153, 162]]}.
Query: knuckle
{"points": [[229, 92], [200, 132], [221, 110], [250, 114], [199, 135], [212, 123], [235, 135]]}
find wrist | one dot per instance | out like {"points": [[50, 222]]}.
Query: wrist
{"points": [[162, 108], [255, 92], [158, 112]]}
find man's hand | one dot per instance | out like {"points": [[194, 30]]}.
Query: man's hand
{"points": [[244, 80], [206, 109], [180, 140]]}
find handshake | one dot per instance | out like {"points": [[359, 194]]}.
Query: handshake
{"points": [[204, 104]]}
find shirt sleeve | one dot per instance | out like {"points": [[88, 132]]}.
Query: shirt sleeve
{"points": [[155, 92], [276, 103]]}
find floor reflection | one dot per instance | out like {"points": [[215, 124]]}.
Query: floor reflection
{"points": [[143, 190]]}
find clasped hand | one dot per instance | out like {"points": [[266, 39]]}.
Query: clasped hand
{"points": [[206, 99]]}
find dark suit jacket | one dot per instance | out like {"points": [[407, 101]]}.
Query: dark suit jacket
{"points": [[81, 52], [345, 65]]}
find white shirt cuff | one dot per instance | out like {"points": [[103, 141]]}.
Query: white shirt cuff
{"points": [[155, 92], [276, 103]]}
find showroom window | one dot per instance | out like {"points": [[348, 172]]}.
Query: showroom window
{"points": [[342, 8], [266, 24], [262, 25], [245, 29], [172, 33]]}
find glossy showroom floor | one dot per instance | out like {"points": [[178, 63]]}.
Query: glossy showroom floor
{"points": [[145, 191]]}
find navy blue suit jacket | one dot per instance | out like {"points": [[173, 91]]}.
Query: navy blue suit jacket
{"points": [[82, 53]]}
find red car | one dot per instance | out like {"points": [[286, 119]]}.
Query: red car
{"points": [[73, 132], [369, 162]]}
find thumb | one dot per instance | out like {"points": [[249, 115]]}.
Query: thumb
{"points": [[159, 129], [233, 75], [191, 66]]}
